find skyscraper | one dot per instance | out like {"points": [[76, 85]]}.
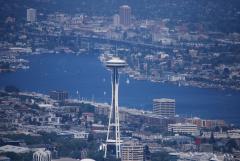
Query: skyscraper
{"points": [[31, 15], [164, 107], [125, 15], [113, 133], [116, 20]]}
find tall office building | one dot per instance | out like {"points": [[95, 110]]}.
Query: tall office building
{"points": [[164, 107], [116, 20], [31, 15], [125, 15], [113, 133], [132, 151]]}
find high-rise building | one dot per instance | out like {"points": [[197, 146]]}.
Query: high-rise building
{"points": [[125, 15], [164, 107], [31, 15], [113, 132], [132, 151], [116, 20]]}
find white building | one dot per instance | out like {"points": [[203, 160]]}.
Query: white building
{"points": [[217, 135], [114, 35], [145, 136], [175, 78], [31, 15], [164, 107], [234, 134], [125, 15], [20, 50], [132, 151], [75, 134], [81, 135], [161, 35], [14, 149], [185, 128], [198, 156], [116, 20], [48, 119], [71, 159], [87, 159]]}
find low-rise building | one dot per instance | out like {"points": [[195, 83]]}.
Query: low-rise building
{"points": [[80, 135], [74, 134], [14, 149], [233, 134], [216, 135], [185, 128], [132, 151], [206, 148], [146, 136], [99, 128], [203, 123], [87, 116], [102, 109], [58, 95], [3, 158], [203, 156]]}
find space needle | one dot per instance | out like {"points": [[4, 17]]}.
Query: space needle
{"points": [[113, 133]]}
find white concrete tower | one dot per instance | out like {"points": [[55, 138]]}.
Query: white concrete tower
{"points": [[113, 133]]}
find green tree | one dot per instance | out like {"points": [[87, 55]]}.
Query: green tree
{"points": [[160, 156], [20, 157]]}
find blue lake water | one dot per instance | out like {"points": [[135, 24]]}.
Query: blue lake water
{"points": [[87, 74]]}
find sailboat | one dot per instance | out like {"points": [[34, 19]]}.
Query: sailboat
{"points": [[127, 81], [179, 84]]}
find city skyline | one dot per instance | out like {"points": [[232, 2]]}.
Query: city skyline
{"points": [[62, 98]]}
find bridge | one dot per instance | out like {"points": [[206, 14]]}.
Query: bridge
{"points": [[92, 40]]}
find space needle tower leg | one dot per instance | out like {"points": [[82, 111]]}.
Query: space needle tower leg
{"points": [[117, 128]]}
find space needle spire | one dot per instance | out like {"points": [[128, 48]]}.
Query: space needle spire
{"points": [[113, 132]]}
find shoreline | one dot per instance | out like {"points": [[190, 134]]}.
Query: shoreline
{"points": [[49, 103], [184, 106], [138, 76], [135, 74]]}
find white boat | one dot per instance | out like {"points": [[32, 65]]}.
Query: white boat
{"points": [[127, 81]]}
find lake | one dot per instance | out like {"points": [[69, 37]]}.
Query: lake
{"points": [[86, 74]]}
